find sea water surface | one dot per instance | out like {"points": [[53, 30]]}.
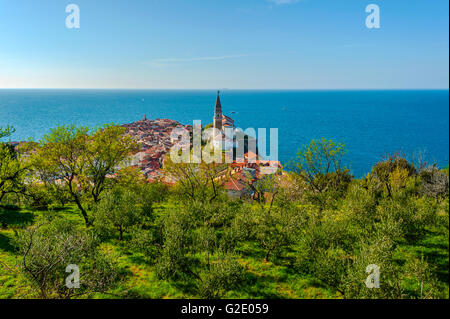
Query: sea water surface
{"points": [[370, 123]]}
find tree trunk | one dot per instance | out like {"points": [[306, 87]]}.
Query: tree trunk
{"points": [[2, 195], [78, 202], [83, 211], [266, 259], [271, 202], [389, 190]]}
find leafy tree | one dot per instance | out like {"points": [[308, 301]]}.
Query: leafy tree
{"points": [[320, 232], [331, 266], [213, 226], [6, 132], [146, 241], [107, 151], [379, 250], [359, 206], [191, 236], [319, 166], [223, 275], [278, 229], [37, 196], [11, 172], [12, 167], [435, 183], [60, 159], [392, 172], [266, 187], [196, 181], [120, 209], [206, 241], [420, 272], [80, 162], [173, 261], [50, 247]]}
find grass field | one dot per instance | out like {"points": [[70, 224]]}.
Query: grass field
{"points": [[263, 279]]}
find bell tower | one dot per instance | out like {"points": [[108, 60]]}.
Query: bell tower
{"points": [[218, 114]]}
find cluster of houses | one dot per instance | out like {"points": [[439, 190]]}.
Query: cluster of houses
{"points": [[154, 138], [245, 175]]}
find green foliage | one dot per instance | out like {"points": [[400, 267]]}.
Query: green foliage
{"points": [[311, 233], [277, 229], [378, 249], [420, 273], [319, 167], [173, 259], [223, 275], [12, 172], [78, 162], [195, 182], [392, 173], [120, 210], [12, 167], [51, 246], [145, 241], [6, 132], [435, 183]]}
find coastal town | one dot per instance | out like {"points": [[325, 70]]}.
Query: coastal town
{"points": [[154, 138], [155, 142]]}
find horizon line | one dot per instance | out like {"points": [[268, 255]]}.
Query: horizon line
{"points": [[239, 89]]}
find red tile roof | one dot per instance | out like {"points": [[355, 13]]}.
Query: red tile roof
{"points": [[234, 184]]}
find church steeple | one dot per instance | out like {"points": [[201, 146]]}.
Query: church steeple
{"points": [[218, 109], [218, 113]]}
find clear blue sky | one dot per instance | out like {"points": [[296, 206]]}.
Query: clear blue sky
{"points": [[245, 44]]}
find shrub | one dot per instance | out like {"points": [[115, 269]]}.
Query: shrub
{"points": [[277, 230], [145, 241], [392, 173], [176, 243], [319, 166], [435, 183], [49, 248], [223, 275], [119, 210], [378, 249]]}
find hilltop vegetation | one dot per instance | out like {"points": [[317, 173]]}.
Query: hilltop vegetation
{"points": [[308, 232]]}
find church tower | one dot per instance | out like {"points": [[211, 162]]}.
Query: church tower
{"points": [[218, 114]]}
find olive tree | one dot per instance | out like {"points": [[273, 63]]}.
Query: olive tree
{"points": [[12, 167], [120, 210], [50, 247], [435, 183], [82, 162], [277, 229], [224, 274], [319, 167], [391, 173], [196, 181]]}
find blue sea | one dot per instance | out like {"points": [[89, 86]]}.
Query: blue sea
{"points": [[370, 123]]}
